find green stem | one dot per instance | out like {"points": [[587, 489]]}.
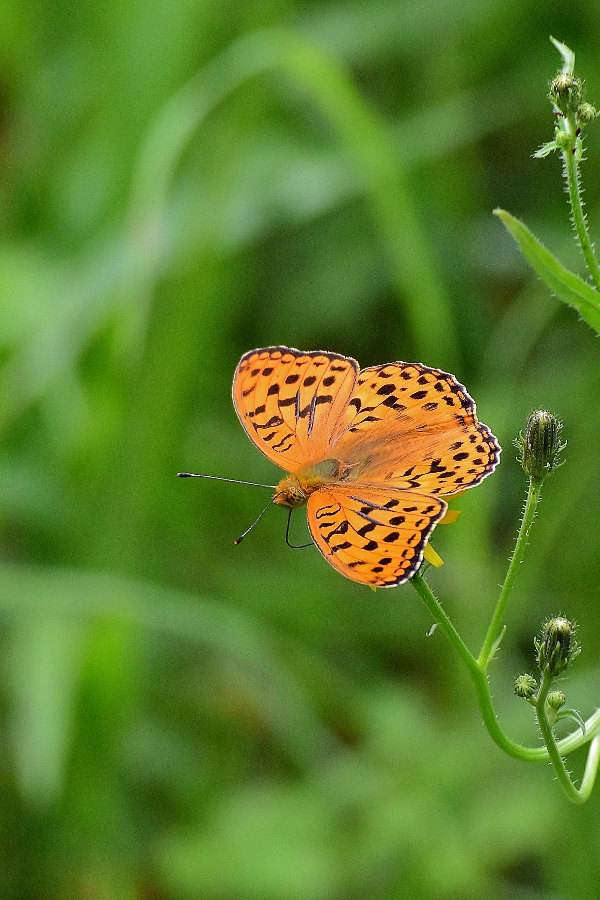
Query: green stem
{"points": [[480, 680], [571, 161], [490, 643], [435, 608], [591, 770], [576, 795], [478, 674]]}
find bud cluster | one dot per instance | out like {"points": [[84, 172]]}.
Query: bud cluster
{"points": [[566, 93], [555, 649]]}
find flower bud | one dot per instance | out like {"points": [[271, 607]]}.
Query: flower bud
{"points": [[586, 113], [566, 91], [557, 646], [556, 700], [541, 445], [525, 686]]}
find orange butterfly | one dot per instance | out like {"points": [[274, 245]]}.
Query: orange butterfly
{"points": [[369, 452]]}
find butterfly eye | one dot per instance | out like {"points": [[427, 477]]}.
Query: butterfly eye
{"points": [[298, 496]]}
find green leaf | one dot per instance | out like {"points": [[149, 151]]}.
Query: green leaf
{"points": [[44, 668], [573, 715], [547, 149], [567, 286], [567, 55]]}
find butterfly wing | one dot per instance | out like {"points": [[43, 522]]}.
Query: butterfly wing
{"points": [[289, 401], [416, 428], [373, 534]]}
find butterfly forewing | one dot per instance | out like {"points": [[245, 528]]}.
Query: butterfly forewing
{"points": [[289, 401], [371, 534]]}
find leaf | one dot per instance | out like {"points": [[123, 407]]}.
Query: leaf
{"points": [[567, 55], [567, 286], [547, 149], [573, 715], [496, 645], [44, 669]]}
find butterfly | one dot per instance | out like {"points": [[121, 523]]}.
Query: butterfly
{"points": [[369, 452]]}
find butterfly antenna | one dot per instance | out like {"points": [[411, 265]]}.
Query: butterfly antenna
{"points": [[231, 480], [256, 521]]}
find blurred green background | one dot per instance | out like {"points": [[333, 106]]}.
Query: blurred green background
{"points": [[182, 182]]}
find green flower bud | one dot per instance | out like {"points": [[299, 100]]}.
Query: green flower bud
{"points": [[564, 140], [557, 646], [541, 445], [525, 686], [566, 92], [556, 700], [586, 113]]}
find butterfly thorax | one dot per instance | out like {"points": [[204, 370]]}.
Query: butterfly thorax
{"points": [[295, 489]]}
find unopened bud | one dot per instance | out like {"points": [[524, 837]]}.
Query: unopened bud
{"points": [[566, 92], [557, 646], [541, 445], [556, 700], [525, 686], [586, 113]]}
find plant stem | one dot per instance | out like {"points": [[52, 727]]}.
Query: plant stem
{"points": [[571, 161], [478, 673], [576, 795], [437, 611], [531, 502]]}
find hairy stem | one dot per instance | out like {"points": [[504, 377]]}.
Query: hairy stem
{"points": [[479, 675], [490, 642], [576, 795], [571, 161]]}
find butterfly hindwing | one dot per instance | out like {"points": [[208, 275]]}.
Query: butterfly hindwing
{"points": [[371, 534], [289, 401], [417, 429]]}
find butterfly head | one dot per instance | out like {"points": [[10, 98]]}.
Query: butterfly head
{"points": [[291, 492], [294, 490]]}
